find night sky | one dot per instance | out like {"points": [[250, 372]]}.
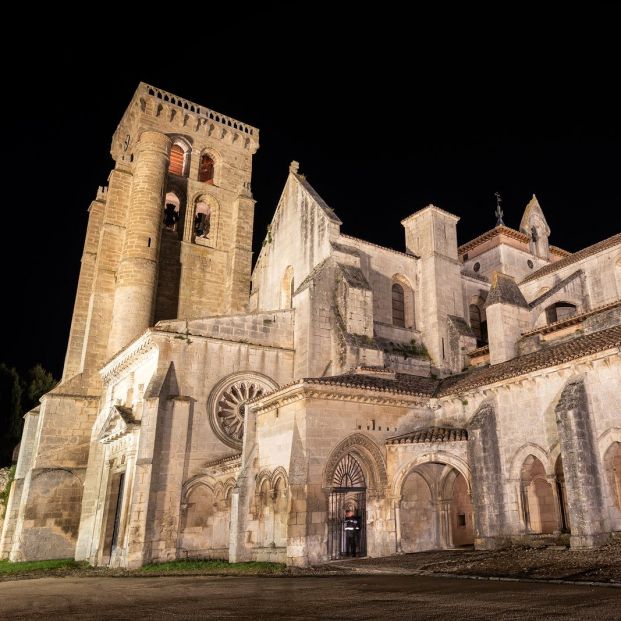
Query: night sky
{"points": [[385, 115]]}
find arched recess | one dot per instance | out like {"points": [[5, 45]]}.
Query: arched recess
{"points": [[205, 519], [172, 211], [206, 221], [287, 286], [612, 471], [179, 161], [434, 510], [539, 508], [478, 319], [53, 511], [207, 167], [558, 311], [369, 456], [528, 448], [403, 302], [272, 508]]}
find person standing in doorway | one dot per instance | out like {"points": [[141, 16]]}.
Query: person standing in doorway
{"points": [[351, 525]]}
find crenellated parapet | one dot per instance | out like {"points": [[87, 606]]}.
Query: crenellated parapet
{"points": [[173, 114]]}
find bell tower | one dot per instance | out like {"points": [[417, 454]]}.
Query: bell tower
{"points": [[170, 236]]}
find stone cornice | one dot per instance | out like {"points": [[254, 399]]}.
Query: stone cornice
{"points": [[308, 390], [564, 369], [223, 465], [127, 357]]}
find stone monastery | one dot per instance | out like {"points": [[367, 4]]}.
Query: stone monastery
{"points": [[450, 395]]}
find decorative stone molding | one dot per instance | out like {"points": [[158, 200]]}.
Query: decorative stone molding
{"points": [[127, 357], [119, 422], [369, 453], [304, 389]]}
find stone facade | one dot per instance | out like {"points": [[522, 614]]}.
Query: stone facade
{"points": [[449, 395]]}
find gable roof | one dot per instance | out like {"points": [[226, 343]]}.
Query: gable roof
{"points": [[575, 257]]}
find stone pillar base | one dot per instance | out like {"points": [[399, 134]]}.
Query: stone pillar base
{"points": [[584, 542]]}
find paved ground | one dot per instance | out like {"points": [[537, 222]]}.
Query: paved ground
{"points": [[323, 597], [558, 563]]}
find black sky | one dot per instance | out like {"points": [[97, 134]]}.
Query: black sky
{"points": [[385, 115]]}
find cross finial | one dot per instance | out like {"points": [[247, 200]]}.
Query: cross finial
{"points": [[498, 213]]}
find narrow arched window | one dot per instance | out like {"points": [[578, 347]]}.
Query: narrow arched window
{"points": [[475, 321], [172, 206], [177, 160], [202, 220], [286, 289], [398, 306], [206, 169]]}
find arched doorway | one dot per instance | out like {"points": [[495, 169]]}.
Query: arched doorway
{"points": [[348, 491], [435, 511], [537, 498]]}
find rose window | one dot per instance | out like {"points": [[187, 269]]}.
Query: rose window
{"points": [[227, 406]]}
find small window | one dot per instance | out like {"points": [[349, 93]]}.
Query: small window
{"points": [[398, 306], [476, 267], [177, 159], [171, 211], [461, 519], [206, 169], [559, 311], [202, 220]]}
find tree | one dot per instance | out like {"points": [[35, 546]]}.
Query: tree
{"points": [[38, 382], [10, 412], [18, 395]]}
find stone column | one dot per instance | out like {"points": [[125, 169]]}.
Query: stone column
{"points": [[580, 466], [487, 486], [137, 275], [398, 548]]}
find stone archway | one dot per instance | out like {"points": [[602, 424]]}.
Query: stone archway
{"points": [[538, 504], [435, 509], [612, 470], [354, 477], [205, 520]]}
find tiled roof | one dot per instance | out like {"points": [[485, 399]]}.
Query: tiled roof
{"points": [[498, 230], [505, 290], [570, 321], [415, 385], [509, 232], [354, 277], [430, 434], [402, 384], [574, 258], [479, 351], [559, 251], [549, 357]]}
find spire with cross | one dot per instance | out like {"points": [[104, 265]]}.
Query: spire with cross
{"points": [[498, 213]]}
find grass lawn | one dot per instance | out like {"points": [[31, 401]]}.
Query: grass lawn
{"points": [[61, 567], [6, 567]]}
